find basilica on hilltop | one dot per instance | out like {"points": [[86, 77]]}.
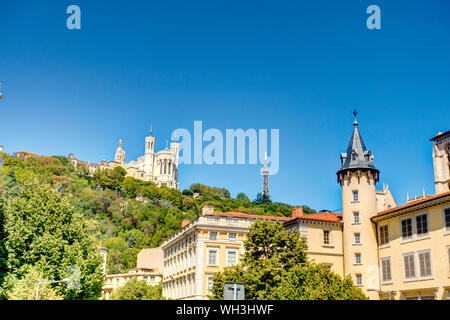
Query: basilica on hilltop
{"points": [[160, 167]]}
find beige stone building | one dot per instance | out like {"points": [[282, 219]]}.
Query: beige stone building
{"points": [[148, 269], [203, 247], [160, 167], [215, 240]]}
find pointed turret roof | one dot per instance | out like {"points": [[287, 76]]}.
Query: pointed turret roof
{"points": [[357, 156]]}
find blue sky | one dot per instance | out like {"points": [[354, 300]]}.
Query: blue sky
{"points": [[299, 66]]}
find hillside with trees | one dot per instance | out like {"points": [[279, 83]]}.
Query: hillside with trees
{"points": [[53, 214]]}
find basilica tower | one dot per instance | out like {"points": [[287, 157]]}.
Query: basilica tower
{"points": [[357, 178], [149, 155], [119, 157]]}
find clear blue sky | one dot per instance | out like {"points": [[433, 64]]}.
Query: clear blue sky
{"points": [[300, 66]]}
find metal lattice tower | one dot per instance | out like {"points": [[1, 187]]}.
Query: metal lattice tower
{"points": [[265, 174]]}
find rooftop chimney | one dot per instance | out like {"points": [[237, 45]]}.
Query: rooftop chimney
{"points": [[297, 212], [184, 223], [207, 209]]}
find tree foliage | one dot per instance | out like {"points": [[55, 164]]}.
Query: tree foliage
{"points": [[26, 287], [138, 290], [42, 230]]}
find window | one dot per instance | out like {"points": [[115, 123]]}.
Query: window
{"points": [[232, 236], [355, 196], [231, 220], [358, 258], [357, 238], [212, 235], [210, 284], [359, 279], [326, 236], [407, 228], [355, 217], [211, 218], [408, 266], [212, 257], [422, 225], [447, 219], [384, 234], [448, 249], [386, 274], [231, 257], [425, 264]]}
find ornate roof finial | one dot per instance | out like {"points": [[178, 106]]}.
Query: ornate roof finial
{"points": [[121, 142], [355, 113], [150, 129]]}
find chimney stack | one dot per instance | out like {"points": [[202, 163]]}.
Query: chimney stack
{"points": [[207, 209], [297, 212]]}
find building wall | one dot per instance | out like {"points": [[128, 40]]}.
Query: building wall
{"points": [[197, 235], [115, 281], [437, 241], [331, 254], [366, 206]]}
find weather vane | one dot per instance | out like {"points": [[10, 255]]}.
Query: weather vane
{"points": [[355, 112]]}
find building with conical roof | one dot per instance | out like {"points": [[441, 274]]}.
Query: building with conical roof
{"points": [[357, 177]]}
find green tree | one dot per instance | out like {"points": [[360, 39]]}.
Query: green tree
{"points": [[131, 187], [275, 266], [42, 230], [138, 290], [241, 196], [262, 198], [25, 288]]}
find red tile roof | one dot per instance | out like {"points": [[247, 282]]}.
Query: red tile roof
{"points": [[411, 204], [26, 152], [245, 215], [321, 216]]}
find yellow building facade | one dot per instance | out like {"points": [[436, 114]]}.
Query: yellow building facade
{"points": [[148, 268], [394, 252], [323, 234], [201, 248], [414, 249], [389, 251], [215, 240]]}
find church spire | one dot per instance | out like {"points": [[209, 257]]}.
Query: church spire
{"points": [[358, 157]]}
